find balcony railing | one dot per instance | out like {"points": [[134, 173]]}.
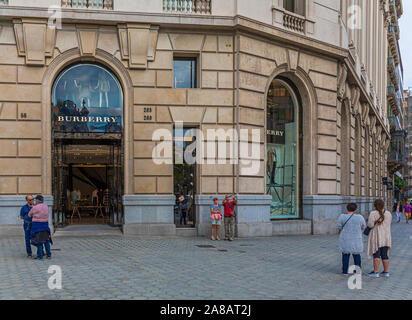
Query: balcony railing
{"points": [[393, 72], [394, 100], [88, 4], [394, 123], [394, 17], [397, 156], [294, 21], [393, 43], [187, 6]]}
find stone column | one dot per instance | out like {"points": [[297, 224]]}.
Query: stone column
{"points": [[253, 216], [149, 215], [324, 212]]}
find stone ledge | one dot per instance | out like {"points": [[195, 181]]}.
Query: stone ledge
{"points": [[186, 232], [11, 230], [148, 200], [149, 229], [250, 230], [291, 227]]}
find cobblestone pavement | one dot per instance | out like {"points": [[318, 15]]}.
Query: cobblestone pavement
{"points": [[117, 267]]}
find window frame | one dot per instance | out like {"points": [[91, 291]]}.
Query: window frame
{"points": [[195, 69]]}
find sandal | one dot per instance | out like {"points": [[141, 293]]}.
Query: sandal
{"points": [[213, 238]]}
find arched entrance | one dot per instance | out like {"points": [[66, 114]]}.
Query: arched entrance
{"points": [[284, 149], [87, 146]]}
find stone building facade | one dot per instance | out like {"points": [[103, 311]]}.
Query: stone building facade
{"points": [[307, 77], [408, 146]]}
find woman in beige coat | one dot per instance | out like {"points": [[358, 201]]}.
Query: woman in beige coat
{"points": [[380, 241]]}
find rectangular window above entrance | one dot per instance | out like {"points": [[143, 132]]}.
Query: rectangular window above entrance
{"points": [[184, 72]]}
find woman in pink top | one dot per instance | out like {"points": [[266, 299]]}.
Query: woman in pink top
{"points": [[216, 217], [40, 232]]}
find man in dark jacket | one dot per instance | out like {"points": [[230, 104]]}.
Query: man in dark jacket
{"points": [[24, 215]]}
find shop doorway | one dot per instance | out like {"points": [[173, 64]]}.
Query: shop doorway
{"points": [[184, 177], [87, 147], [87, 182]]}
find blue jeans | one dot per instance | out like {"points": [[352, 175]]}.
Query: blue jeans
{"points": [[345, 261], [27, 237], [40, 250]]}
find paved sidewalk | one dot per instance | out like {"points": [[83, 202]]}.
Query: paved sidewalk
{"points": [[117, 267]]}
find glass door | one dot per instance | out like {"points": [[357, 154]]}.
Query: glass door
{"points": [[87, 182], [115, 185], [61, 205], [184, 179]]}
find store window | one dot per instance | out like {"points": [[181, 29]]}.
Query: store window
{"points": [[184, 73], [87, 98], [87, 147], [283, 174]]}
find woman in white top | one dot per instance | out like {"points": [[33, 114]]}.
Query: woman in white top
{"points": [[380, 241]]}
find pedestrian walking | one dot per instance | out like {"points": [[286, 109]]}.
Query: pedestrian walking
{"points": [[398, 211], [40, 232], [351, 226], [182, 209], [229, 211], [408, 211], [380, 241], [216, 216], [24, 215]]}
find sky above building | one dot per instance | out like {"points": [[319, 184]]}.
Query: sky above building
{"points": [[406, 42]]}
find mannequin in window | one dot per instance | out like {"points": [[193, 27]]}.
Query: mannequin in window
{"points": [[70, 89], [84, 90], [103, 85], [271, 164]]}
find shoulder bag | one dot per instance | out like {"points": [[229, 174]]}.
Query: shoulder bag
{"points": [[368, 230], [346, 222]]}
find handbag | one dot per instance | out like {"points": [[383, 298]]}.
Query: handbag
{"points": [[346, 222], [368, 230]]}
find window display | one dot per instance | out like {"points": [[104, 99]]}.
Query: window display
{"points": [[282, 170]]}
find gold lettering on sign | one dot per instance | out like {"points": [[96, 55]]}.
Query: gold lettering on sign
{"points": [[278, 133]]}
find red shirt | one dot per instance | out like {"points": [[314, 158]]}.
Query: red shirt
{"points": [[228, 210]]}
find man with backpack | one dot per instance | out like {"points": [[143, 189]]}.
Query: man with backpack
{"points": [[229, 205]]}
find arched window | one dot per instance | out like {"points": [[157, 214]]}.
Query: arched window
{"points": [[87, 98], [283, 174]]}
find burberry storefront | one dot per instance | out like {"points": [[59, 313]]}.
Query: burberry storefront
{"points": [[114, 120]]}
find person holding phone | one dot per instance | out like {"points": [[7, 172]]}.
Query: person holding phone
{"points": [[229, 205]]}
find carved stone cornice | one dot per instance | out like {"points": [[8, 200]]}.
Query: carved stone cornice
{"points": [[355, 96], [364, 113], [342, 75], [372, 124], [35, 39], [138, 43]]}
